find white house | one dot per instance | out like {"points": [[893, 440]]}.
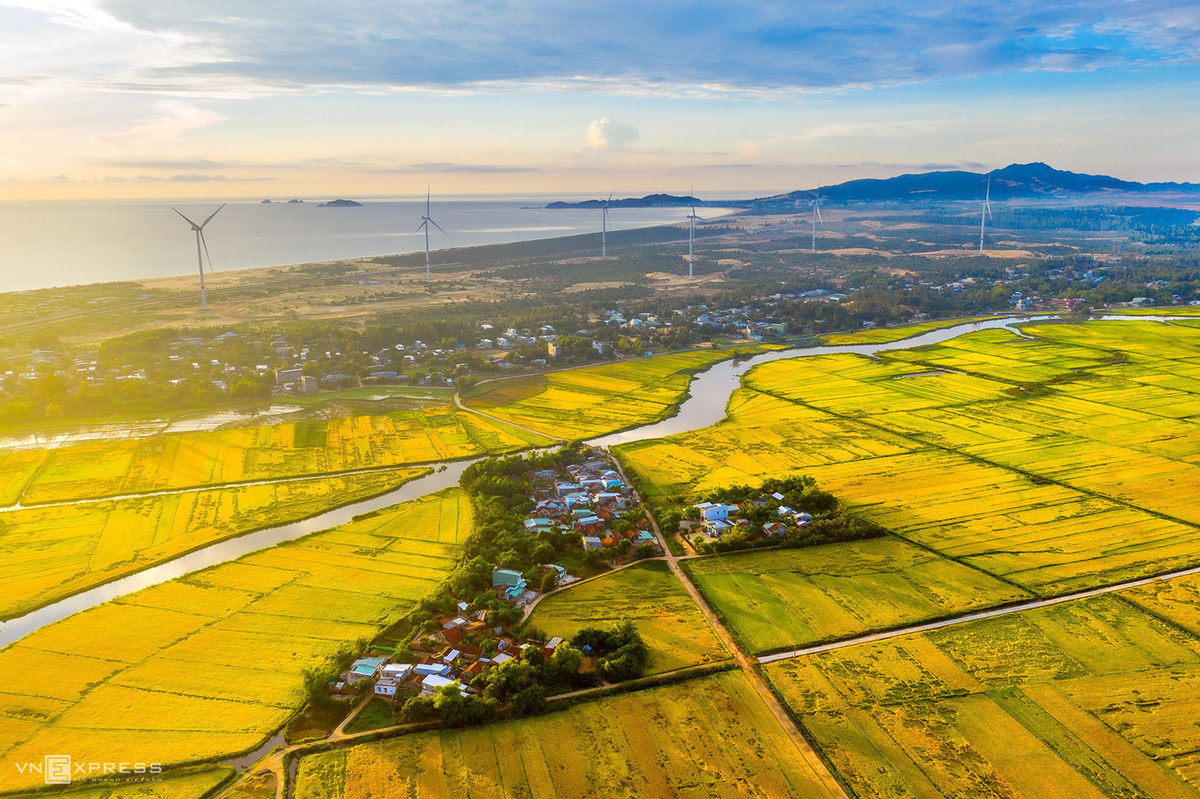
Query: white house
{"points": [[431, 684], [386, 688], [714, 511]]}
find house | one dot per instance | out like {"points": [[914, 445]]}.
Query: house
{"points": [[775, 529], [431, 684], [535, 526], [365, 669], [508, 583], [503, 657], [713, 511], [591, 542], [431, 670], [551, 645], [717, 527], [398, 672], [386, 688]]}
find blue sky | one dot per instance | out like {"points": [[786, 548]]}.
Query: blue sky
{"points": [[131, 98]]}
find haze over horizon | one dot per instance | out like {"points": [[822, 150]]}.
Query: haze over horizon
{"points": [[126, 98]]}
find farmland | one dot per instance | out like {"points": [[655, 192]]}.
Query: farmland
{"points": [[210, 664], [592, 401], [47, 553], [796, 597], [669, 621], [1090, 698], [1059, 461], [187, 785], [884, 335], [697, 738], [196, 460]]}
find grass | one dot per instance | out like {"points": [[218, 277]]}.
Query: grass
{"points": [[376, 715], [796, 597], [699, 738], [48, 553], [210, 664], [295, 449], [649, 595], [595, 400], [1093, 698]]}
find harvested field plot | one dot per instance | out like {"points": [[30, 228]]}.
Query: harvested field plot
{"points": [[706, 737], [209, 664], [52, 552], [795, 597], [1094, 698], [650, 596]]}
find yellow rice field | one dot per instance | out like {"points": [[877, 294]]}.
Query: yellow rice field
{"points": [[47, 553], [190, 784], [884, 335], [706, 737], [649, 595], [1092, 698], [189, 460], [580, 403], [1058, 461], [210, 664]]}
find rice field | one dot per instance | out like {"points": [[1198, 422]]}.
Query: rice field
{"points": [[1092, 698], [796, 597], [706, 737], [595, 400], [649, 595], [47, 553], [1058, 461], [189, 785], [208, 665], [195, 460]]}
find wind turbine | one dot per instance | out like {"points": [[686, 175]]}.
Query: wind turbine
{"points": [[604, 227], [200, 242], [816, 204], [987, 211], [692, 234], [426, 221]]}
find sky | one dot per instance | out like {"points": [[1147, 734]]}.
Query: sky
{"points": [[362, 98]]}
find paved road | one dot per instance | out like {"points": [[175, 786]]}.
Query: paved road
{"points": [[970, 617]]}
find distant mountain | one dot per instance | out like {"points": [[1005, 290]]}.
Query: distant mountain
{"points": [[340, 204], [1016, 181], [649, 201]]}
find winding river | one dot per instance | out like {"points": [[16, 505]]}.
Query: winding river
{"points": [[709, 394]]}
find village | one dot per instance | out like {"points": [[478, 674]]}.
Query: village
{"points": [[588, 500]]}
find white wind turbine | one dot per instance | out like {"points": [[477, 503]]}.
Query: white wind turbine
{"points": [[426, 221], [200, 242], [604, 227], [692, 235], [816, 204], [987, 211]]}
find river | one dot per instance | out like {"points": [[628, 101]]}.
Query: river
{"points": [[708, 395]]}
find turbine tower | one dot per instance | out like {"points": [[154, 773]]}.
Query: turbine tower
{"points": [[604, 227], [692, 235], [200, 242], [987, 211], [816, 204], [426, 221]]}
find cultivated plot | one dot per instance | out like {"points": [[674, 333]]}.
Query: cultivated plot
{"points": [[705, 737], [210, 664]]}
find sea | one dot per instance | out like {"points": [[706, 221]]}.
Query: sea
{"points": [[61, 243]]}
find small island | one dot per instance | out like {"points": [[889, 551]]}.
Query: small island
{"points": [[340, 204]]}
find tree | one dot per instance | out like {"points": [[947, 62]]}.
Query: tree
{"points": [[549, 582], [419, 708]]}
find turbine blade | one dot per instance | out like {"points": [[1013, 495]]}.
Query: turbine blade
{"points": [[418, 230], [185, 219], [819, 219], [610, 194], [428, 194], [210, 216], [205, 243], [439, 227]]}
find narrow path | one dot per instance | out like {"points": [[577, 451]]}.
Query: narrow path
{"points": [[462, 406], [748, 667], [529, 608], [970, 617]]}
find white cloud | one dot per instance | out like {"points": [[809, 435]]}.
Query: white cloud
{"points": [[607, 133]]}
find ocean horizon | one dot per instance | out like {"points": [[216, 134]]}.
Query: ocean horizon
{"points": [[54, 243]]}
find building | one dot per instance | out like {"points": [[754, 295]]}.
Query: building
{"points": [[431, 684], [508, 583], [712, 511], [287, 376], [386, 688], [365, 669]]}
